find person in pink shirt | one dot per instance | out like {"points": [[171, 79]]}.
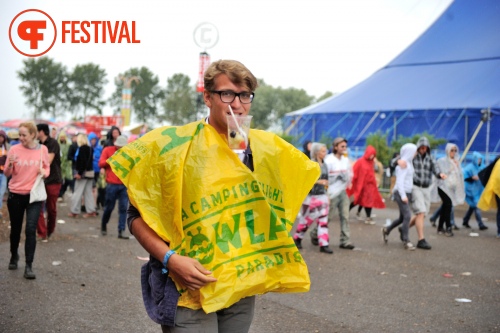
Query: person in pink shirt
{"points": [[23, 165]]}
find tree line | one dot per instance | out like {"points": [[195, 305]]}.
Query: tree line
{"points": [[51, 89]]}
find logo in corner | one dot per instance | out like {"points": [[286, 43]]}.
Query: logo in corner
{"points": [[32, 32]]}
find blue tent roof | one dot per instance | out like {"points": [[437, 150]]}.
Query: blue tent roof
{"points": [[439, 84]]}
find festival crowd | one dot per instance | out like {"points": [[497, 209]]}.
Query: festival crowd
{"points": [[417, 180], [41, 166]]}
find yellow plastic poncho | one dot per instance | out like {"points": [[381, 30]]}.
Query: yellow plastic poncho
{"points": [[492, 188], [197, 195]]}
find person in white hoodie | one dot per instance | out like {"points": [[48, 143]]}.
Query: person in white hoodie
{"points": [[402, 195], [339, 178]]}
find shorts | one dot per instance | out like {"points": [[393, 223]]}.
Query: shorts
{"points": [[420, 200]]}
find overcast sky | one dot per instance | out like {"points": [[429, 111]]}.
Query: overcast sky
{"points": [[315, 45]]}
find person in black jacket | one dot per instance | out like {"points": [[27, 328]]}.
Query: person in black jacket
{"points": [[84, 178], [73, 148], [53, 183]]}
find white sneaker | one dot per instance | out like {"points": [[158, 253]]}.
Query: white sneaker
{"points": [[369, 221], [358, 217], [409, 246]]}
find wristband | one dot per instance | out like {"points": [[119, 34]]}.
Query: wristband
{"points": [[165, 261]]}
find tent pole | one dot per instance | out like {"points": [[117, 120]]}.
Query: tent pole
{"points": [[488, 136], [314, 130], [292, 124], [466, 150], [466, 130], [396, 122], [450, 132], [438, 119], [485, 117], [338, 123], [394, 138], [366, 127]]}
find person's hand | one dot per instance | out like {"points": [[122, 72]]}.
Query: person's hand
{"points": [[443, 176], [77, 176], [405, 200], [189, 272], [12, 159], [475, 177], [402, 164], [349, 187], [323, 182]]}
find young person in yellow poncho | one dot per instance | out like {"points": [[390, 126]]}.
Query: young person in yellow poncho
{"points": [[216, 223], [490, 198]]}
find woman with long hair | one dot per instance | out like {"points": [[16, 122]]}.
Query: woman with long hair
{"points": [[24, 162], [84, 178]]}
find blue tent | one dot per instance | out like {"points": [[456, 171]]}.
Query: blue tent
{"points": [[444, 83]]}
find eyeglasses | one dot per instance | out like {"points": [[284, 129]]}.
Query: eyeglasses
{"points": [[454, 150], [228, 96]]}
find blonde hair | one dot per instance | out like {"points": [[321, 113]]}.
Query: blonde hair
{"points": [[82, 140], [31, 127], [62, 134]]}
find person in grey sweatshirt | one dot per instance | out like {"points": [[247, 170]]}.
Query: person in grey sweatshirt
{"points": [[402, 195]]}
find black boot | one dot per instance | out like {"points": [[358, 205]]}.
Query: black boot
{"points": [[121, 236], [13, 261], [298, 243], [325, 249], [314, 236], [28, 272]]}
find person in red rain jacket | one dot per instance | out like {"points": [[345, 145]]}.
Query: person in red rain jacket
{"points": [[364, 185]]}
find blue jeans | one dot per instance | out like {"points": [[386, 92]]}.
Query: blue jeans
{"points": [[436, 214], [476, 212], [3, 187], [115, 192], [17, 204]]}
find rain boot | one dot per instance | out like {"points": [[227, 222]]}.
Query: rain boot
{"points": [[325, 249], [298, 243], [314, 236], [13, 261], [28, 272]]}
